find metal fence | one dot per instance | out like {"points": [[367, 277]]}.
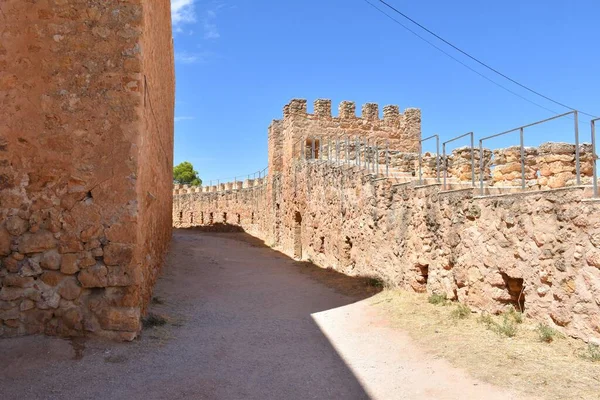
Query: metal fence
{"points": [[437, 157], [594, 156], [366, 153], [472, 157], [521, 130]]}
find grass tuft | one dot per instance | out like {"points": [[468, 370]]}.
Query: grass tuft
{"points": [[438, 299], [592, 353], [546, 333], [515, 315], [461, 312], [507, 328], [375, 282], [152, 320]]}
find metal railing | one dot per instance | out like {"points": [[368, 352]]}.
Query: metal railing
{"points": [[521, 130], [363, 148], [472, 157], [437, 157], [594, 157], [366, 154]]}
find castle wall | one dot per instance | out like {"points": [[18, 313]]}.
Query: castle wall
{"points": [[537, 251], [80, 201]]}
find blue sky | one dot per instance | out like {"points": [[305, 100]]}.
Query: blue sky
{"points": [[239, 61]]}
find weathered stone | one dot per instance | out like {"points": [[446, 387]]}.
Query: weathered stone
{"points": [[69, 264], [69, 243], [10, 293], [117, 254], [12, 313], [73, 319], [123, 276], [30, 267], [49, 300], [16, 226], [51, 260], [26, 305], [5, 241], [120, 319], [36, 242], [69, 289], [86, 260], [96, 276], [16, 280], [593, 258], [52, 278]]}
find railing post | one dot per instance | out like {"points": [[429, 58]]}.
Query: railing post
{"points": [[366, 156], [521, 139], [577, 163], [472, 160], [595, 172], [387, 156], [445, 163], [481, 167], [377, 158], [420, 161], [347, 150], [320, 155], [437, 157]]}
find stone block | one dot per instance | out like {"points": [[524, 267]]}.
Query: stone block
{"points": [[96, 276], [118, 254], [120, 319], [37, 242]]}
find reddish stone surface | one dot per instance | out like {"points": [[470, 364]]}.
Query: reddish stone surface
{"points": [[537, 251], [86, 144]]}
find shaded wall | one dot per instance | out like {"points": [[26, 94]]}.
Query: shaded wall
{"points": [[76, 147]]}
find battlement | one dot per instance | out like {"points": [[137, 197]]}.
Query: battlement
{"points": [[222, 187], [346, 111]]}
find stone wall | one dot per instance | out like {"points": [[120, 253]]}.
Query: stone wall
{"points": [[549, 166], [537, 251], [86, 95]]}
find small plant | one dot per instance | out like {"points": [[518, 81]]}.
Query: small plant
{"points": [[592, 352], [515, 315], [152, 320], [437, 299], [546, 333], [461, 312], [486, 319], [507, 328], [375, 282]]}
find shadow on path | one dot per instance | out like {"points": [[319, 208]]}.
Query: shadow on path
{"points": [[232, 321]]}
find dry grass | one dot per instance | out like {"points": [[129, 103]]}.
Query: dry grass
{"points": [[562, 369]]}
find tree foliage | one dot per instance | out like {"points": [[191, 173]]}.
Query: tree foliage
{"points": [[184, 174]]}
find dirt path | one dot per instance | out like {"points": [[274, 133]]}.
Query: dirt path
{"points": [[245, 322]]}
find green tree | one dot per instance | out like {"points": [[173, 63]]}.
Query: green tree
{"points": [[184, 174]]}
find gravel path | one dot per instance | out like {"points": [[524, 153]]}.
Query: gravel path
{"points": [[244, 322]]}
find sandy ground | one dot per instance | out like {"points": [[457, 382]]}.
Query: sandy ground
{"points": [[244, 322]]}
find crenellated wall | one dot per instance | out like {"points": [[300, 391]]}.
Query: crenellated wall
{"points": [[86, 155], [537, 251]]}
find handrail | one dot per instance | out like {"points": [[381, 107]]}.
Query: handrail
{"points": [[594, 157], [472, 157], [437, 157], [521, 130]]}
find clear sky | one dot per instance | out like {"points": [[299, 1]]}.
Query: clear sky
{"points": [[238, 62]]}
